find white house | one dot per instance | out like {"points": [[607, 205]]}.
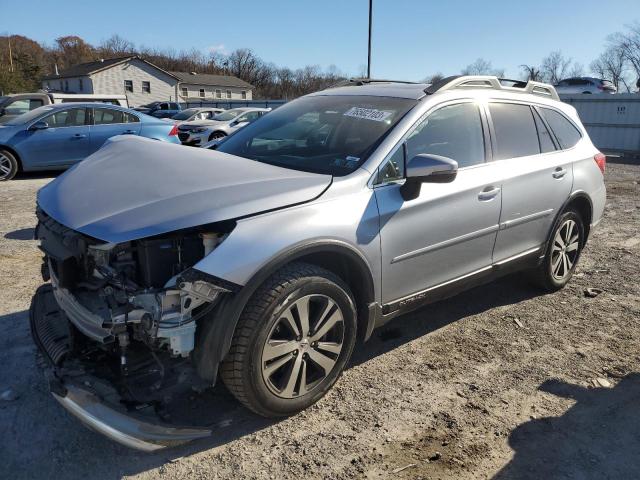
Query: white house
{"points": [[143, 82]]}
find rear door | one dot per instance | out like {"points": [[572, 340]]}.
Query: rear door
{"points": [[537, 178], [64, 142], [109, 122]]}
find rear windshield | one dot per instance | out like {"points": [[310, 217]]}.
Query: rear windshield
{"points": [[320, 134], [184, 114]]}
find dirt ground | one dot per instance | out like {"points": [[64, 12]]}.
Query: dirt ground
{"points": [[499, 382]]}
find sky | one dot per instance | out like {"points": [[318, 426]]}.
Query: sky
{"points": [[412, 39]]}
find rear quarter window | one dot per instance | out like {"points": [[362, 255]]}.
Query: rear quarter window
{"points": [[515, 129], [566, 133]]}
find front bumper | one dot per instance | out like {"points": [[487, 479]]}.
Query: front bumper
{"points": [[49, 328]]}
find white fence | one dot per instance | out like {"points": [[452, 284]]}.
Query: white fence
{"points": [[613, 121]]}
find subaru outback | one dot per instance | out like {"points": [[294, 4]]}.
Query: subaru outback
{"points": [[262, 261]]}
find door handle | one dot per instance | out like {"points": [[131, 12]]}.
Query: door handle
{"points": [[559, 172], [78, 136], [488, 193]]}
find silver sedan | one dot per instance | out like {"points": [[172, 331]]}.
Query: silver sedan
{"points": [[198, 133]]}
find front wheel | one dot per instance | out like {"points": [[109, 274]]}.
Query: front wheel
{"points": [[563, 252], [8, 165], [217, 136], [292, 341]]}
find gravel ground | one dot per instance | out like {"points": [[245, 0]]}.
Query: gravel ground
{"points": [[499, 382]]}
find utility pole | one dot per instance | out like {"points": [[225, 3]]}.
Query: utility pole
{"points": [[369, 53], [10, 55]]}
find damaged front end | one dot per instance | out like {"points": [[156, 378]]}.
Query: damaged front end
{"points": [[118, 323]]}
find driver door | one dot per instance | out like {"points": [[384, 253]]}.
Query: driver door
{"points": [[448, 231]]}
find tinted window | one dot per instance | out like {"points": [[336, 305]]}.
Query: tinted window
{"points": [[73, 117], [546, 142], [565, 132], [393, 168], [454, 131], [331, 134], [104, 116], [516, 134]]}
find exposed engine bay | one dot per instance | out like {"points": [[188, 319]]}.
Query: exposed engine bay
{"points": [[133, 306]]}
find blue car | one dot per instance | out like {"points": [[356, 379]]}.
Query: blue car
{"points": [[55, 137]]}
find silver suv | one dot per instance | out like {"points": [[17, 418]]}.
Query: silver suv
{"points": [[263, 261]]}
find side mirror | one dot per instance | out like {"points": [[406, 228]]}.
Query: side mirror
{"points": [[428, 168], [40, 125]]}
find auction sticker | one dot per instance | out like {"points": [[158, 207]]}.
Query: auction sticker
{"points": [[368, 114]]}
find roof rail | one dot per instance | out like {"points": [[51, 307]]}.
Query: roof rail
{"points": [[485, 81], [358, 82]]}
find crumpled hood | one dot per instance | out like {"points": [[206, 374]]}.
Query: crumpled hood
{"points": [[136, 187]]}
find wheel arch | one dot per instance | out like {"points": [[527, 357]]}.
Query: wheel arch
{"points": [[216, 334], [581, 202]]}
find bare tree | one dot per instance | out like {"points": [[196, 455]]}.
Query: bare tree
{"points": [[629, 44], [532, 72], [482, 67], [555, 67], [611, 65], [116, 46], [436, 77], [577, 70]]}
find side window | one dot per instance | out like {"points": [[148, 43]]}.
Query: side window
{"points": [[566, 133], [516, 134], [454, 131], [546, 143], [73, 117], [130, 118], [106, 116], [393, 168]]}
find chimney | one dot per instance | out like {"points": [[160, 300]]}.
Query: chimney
{"points": [[56, 69]]}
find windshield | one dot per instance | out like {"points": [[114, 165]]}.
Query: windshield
{"points": [[321, 134], [185, 114], [29, 116], [228, 115]]}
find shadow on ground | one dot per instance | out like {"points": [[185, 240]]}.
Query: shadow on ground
{"points": [[22, 234], [63, 436], [597, 438]]}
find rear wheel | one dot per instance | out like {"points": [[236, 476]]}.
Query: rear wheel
{"points": [[217, 136], [8, 165], [563, 252], [292, 341]]}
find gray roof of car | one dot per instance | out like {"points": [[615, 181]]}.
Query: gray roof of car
{"points": [[413, 91]]}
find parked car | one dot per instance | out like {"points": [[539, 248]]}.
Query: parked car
{"points": [[200, 132], [160, 109], [195, 114], [262, 261], [57, 136], [585, 85], [13, 105]]}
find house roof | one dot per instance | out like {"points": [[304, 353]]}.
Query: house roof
{"points": [[88, 68], [211, 80]]}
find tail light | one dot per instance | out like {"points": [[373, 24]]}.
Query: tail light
{"points": [[174, 131], [601, 161]]}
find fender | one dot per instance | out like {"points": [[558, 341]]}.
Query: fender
{"points": [[216, 330]]}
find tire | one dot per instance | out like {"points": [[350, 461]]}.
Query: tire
{"points": [[8, 165], [554, 273], [271, 354], [217, 136]]}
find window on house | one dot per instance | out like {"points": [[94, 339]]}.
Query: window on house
{"points": [[66, 85], [202, 93], [185, 92], [228, 93], [146, 87], [80, 86], [128, 86], [218, 93], [61, 85], [244, 94]]}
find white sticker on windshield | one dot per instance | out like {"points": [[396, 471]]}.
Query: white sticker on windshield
{"points": [[368, 114]]}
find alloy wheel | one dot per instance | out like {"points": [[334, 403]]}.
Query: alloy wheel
{"points": [[303, 346], [565, 249], [5, 166]]}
